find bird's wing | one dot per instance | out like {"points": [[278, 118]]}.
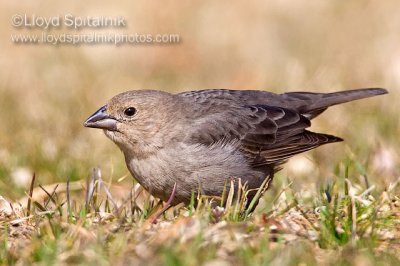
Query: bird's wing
{"points": [[266, 134], [281, 151], [268, 127], [308, 104], [290, 136]]}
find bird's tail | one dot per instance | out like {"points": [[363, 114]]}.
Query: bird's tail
{"points": [[316, 103]]}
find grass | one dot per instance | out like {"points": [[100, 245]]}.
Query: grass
{"points": [[344, 222]]}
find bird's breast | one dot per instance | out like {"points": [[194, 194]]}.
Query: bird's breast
{"points": [[191, 167]]}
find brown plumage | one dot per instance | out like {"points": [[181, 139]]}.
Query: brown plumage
{"points": [[201, 139]]}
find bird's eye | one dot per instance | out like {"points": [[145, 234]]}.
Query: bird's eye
{"points": [[130, 111]]}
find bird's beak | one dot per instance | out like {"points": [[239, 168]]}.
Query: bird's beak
{"points": [[100, 119]]}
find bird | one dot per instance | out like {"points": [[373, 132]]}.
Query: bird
{"points": [[199, 141]]}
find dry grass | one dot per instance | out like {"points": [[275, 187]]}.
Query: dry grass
{"points": [[59, 227]]}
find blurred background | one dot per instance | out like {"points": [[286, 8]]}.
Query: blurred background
{"points": [[47, 91]]}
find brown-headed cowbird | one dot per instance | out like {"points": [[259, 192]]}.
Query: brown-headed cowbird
{"points": [[199, 140]]}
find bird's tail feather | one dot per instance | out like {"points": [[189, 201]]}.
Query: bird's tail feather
{"points": [[333, 98], [316, 103]]}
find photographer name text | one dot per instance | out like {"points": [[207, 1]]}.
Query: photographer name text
{"points": [[69, 21]]}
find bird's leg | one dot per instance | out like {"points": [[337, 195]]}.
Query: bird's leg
{"points": [[153, 218], [264, 188]]}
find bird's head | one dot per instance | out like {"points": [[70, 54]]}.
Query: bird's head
{"points": [[136, 120]]}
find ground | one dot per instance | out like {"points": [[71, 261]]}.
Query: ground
{"points": [[98, 223]]}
